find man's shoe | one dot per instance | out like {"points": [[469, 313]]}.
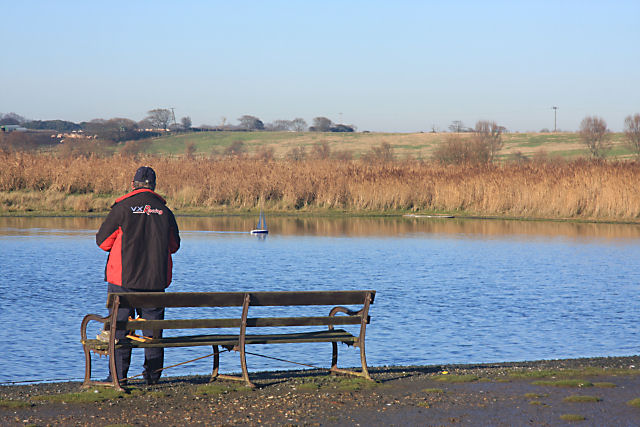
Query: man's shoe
{"points": [[151, 381]]}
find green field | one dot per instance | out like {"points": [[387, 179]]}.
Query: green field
{"points": [[404, 145]]}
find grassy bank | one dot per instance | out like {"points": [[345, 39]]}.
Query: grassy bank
{"points": [[405, 145], [542, 189]]}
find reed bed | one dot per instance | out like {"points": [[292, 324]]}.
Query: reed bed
{"points": [[546, 189]]}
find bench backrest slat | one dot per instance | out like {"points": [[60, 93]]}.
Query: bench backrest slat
{"points": [[232, 323], [235, 299]]}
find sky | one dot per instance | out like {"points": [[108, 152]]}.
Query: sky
{"points": [[383, 66]]}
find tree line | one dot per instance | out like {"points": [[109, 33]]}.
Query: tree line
{"points": [[480, 144], [161, 120]]}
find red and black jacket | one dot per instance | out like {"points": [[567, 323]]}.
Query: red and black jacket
{"points": [[140, 234]]}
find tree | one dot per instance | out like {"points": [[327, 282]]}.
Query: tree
{"points": [[251, 123], [145, 124], [57, 125], [489, 134], [632, 132], [595, 135], [186, 123], [457, 126], [299, 125], [280, 125], [321, 124], [160, 118], [117, 129], [11, 119]]}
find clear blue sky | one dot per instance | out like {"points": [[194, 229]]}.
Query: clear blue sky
{"points": [[381, 65]]}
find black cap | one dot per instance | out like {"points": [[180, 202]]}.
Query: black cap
{"points": [[145, 175]]}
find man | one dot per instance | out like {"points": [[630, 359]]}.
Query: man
{"points": [[140, 234]]}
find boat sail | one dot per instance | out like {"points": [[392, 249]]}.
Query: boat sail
{"points": [[262, 225]]}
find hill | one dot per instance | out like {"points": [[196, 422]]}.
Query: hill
{"points": [[404, 145]]}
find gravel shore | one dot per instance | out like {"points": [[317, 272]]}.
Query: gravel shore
{"points": [[586, 392]]}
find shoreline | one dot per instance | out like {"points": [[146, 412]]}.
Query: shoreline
{"points": [[399, 214], [601, 390]]}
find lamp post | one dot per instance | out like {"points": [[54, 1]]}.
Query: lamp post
{"points": [[555, 119]]}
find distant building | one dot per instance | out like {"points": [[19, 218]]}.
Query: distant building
{"points": [[11, 128]]}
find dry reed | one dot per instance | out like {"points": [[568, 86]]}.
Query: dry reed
{"points": [[544, 189]]}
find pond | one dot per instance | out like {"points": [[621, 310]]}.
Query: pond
{"points": [[448, 290]]}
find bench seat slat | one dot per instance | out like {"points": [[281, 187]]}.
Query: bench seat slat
{"points": [[231, 323], [235, 299], [337, 335]]}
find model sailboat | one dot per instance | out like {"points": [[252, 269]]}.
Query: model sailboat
{"points": [[262, 225]]}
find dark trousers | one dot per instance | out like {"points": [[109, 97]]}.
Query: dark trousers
{"points": [[153, 357]]}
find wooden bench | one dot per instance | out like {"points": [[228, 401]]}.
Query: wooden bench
{"points": [[236, 341]]}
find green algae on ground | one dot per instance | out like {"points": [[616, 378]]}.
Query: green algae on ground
{"points": [[307, 387], [90, 396], [468, 378], [354, 384], [433, 391], [14, 404], [634, 402], [535, 395], [582, 399], [572, 417], [572, 373], [563, 383], [604, 385], [215, 389], [341, 383]]}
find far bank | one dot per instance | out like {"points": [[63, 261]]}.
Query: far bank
{"points": [[573, 190]]}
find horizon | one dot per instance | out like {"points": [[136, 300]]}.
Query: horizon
{"points": [[401, 67]]}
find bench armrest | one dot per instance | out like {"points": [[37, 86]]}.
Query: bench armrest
{"points": [[87, 319], [340, 309]]}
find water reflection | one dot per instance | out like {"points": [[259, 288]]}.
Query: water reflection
{"points": [[351, 227]]}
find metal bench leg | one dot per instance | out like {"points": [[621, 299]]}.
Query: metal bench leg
{"points": [[245, 372], [87, 367], [216, 362], [334, 356], [114, 372], [363, 360], [241, 340]]}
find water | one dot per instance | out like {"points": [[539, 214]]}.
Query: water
{"points": [[448, 291]]}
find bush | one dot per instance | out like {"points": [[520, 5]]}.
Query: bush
{"points": [[190, 149], [595, 135], [236, 149], [632, 133], [382, 153], [458, 150], [265, 154], [321, 151], [83, 147], [133, 148], [26, 141], [297, 154]]}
